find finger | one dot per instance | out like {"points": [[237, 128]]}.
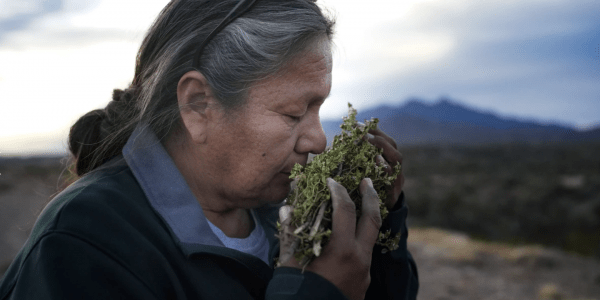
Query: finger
{"points": [[285, 214], [382, 163], [390, 153], [344, 212], [370, 221], [380, 133], [288, 241], [401, 182]]}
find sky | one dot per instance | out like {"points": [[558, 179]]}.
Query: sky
{"points": [[531, 59]]}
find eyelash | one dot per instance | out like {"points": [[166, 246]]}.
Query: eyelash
{"points": [[294, 118]]}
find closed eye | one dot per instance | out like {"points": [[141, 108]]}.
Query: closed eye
{"points": [[294, 118]]}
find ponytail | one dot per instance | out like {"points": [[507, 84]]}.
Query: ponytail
{"points": [[101, 134]]}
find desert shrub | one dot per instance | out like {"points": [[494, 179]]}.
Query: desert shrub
{"points": [[5, 187], [38, 171], [545, 193]]}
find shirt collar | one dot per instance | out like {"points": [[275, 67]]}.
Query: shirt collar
{"points": [[167, 190]]}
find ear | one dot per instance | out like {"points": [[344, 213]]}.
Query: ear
{"points": [[196, 105]]}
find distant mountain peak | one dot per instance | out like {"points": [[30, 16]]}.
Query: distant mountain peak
{"points": [[446, 101], [442, 103], [448, 121]]}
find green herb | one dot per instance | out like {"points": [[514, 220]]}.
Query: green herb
{"points": [[348, 161]]}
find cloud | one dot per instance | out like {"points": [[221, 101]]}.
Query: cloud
{"points": [[74, 23], [52, 143], [527, 58], [21, 15], [45, 90], [64, 62], [58, 24], [18, 16], [66, 38]]}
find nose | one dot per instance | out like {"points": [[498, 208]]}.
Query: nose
{"points": [[312, 138]]}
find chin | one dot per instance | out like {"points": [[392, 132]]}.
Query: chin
{"points": [[277, 194]]}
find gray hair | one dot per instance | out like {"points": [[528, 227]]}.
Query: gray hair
{"points": [[252, 47]]}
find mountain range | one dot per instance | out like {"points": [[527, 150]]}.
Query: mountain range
{"points": [[448, 122]]}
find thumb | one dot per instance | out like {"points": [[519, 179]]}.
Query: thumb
{"points": [[285, 214], [288, 241]]}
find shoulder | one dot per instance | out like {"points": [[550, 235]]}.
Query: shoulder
{"points": [[105, 205], [105, 213], [93, 202]]}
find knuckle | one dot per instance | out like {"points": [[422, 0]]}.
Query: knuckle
{"points": [[400, 157], [375, 219], [337, 190], [383, 141], [363, 264], [347, 254], [346, 206], [377, 141], [381, 161], [371, 193]]}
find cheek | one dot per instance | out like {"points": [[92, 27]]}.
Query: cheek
{"points": [[260, 168], [278, 152], [262, 150], [276, 140]]}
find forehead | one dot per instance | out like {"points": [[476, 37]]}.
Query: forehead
{"points": [[306, 77], [316, 58]]}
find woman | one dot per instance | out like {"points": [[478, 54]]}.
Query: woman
{"points": [[183, 173]]}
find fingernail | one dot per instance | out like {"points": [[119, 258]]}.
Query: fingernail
{"points": [[370, 136], [381, 161], [369, 181], [330, 181], [284, 213]]}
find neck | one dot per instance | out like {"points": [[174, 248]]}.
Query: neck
{"points": [[235, 222]]}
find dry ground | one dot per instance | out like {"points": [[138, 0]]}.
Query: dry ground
{"points": [[25, 188], [453, 266]]}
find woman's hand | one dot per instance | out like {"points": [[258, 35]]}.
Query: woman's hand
{"points": [[346, 259], [391, 157]]}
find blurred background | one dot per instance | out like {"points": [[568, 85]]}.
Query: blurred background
{"points": [[494, 104]]}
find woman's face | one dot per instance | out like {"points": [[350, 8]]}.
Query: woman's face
{"points": [[253, 151]]}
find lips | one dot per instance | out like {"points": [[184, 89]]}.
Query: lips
{"points": [[288, 169], [287, 172]]}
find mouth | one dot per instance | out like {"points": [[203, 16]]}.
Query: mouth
{"points": [[287, 175], [288, 169]]}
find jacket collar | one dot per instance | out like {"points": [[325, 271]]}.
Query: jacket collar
{"points": [[172, 199]]}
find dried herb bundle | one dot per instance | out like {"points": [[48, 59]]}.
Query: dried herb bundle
{"points": [[348, 161]]}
